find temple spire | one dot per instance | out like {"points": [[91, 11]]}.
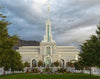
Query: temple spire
{"points": [[48, 12], [48, 37]]}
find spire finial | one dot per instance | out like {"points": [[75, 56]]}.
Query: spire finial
{"points": [[48, 8], [48, 12]]}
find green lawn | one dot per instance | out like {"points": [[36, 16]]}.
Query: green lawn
{"points": [[49, 76]]}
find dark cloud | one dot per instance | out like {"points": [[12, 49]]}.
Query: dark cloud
{"points": [[68, 18]]}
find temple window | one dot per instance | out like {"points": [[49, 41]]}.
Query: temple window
{"points": [[48, 50]]}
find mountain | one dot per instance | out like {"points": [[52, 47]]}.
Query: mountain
{"points": [[26, 43]]}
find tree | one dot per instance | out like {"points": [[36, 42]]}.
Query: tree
{"points": [[90, 51], [79, 65], [26, 64], [15, 61], [98, 46], [70, 63], [9, 58], [56, 63], [40, 63]]}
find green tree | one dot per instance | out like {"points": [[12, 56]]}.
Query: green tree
{"points": [[70, 64], [90, 51], [9, 58], [56, 63], [98, 46], [79, 65], [40, 63], [26, 64], [15, 61]]}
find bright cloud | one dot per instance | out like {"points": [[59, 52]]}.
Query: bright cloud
{"points": [[40, 1]]}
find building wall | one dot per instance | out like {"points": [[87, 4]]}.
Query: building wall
{"points": [[66, 53]]}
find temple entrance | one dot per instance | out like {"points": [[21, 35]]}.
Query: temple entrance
{"points": [[47, 62]]}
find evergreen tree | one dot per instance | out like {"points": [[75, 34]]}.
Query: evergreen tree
{"points": [[98, 47], [79, 65], [90, 54]]}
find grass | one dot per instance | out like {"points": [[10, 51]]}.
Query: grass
{"points": [[49, 76]]}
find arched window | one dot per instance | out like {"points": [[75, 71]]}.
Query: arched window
{"points": [[33, 63], [48, 50], [62, 63]]}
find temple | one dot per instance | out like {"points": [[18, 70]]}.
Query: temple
{"points": [[48, 52]]}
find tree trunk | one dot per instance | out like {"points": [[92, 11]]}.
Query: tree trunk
{"points": [[4, 73], [82, 71], [90, 71], [13, 72]]}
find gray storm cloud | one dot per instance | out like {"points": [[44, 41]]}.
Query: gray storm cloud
{"points": [[73, 21]]}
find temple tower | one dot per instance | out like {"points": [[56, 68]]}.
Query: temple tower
{"points": [[48, 45]]}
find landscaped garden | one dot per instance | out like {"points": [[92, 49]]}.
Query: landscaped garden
{"points": [[49, 76]]}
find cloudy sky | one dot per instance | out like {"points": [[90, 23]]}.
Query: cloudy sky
{"points": [[73, 21]]}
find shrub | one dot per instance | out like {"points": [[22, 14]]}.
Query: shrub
{"points": [[40, 63], [70, 64], [35, 70], [61, 70], [47, 69], [56, 63], [26, 64]]}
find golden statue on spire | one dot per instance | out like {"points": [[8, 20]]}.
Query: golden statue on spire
{"points": [[48, 8], [48, 5]]}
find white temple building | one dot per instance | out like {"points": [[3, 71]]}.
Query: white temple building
{"points": [[48, 51]]}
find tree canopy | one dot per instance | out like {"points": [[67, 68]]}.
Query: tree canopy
{"points": [[9, 58], [90, 51]]}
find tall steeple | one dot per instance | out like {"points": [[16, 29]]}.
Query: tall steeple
{"points": [[48, 36], [48, 28]]}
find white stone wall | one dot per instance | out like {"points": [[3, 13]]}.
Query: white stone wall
{"points": [[67, 53], [95, 71]]}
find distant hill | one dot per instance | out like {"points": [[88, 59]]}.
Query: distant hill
{"points": [[29, 43], [26, 43]]}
